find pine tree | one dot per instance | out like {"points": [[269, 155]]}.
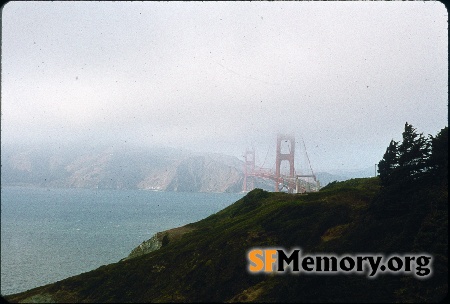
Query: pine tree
{"points": [[389, 163], [406, 162], [439, 156], [413, 153]]}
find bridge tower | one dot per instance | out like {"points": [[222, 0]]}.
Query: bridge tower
{"points": [[249, 168], [289, 141]]}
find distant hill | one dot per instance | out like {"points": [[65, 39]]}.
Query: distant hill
{"points": [[325, 178], [159, 169], [342, 175], [206, 260], [128, 167]]}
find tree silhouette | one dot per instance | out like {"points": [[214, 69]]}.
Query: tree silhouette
{"points": [[413, 175], [414, 153], [405, 162], [389, 162], [439, 155]]}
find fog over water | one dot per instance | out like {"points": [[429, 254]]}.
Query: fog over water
{"points": [[223, 77]]}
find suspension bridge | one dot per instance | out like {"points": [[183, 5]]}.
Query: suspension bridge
{"points": [[290, 181]]}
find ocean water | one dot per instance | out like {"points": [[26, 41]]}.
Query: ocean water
{"points": [[51, 234]]}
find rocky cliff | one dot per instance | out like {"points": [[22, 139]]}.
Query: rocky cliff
{"points": [[160, 239]]}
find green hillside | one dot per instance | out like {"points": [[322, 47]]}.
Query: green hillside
{"points": [[207, 261]]}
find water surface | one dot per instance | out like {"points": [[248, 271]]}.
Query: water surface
{"points": [[51, 234]]}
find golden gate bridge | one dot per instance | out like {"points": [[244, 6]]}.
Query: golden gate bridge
{"points": [[290, 182]]}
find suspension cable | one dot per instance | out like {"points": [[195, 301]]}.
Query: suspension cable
{"points": [[308, 157], [265, 158]]}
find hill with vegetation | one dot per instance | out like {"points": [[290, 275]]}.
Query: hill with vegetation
{"points": [[207, 260]]}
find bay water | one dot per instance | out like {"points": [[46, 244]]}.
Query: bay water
{"points": [[50, 234]]}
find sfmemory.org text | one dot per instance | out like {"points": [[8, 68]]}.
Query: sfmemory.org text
{"points": [[277, 260]]}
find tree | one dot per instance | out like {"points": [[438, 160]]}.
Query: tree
{"points": [[413, 175], [405, 162], [439, 155], [389, 162], [414, 153]]}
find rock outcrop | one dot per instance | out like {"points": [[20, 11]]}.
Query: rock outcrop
{"points": [[160, 239]]}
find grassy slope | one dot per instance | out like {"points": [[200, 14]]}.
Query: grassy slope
{"points": [[209, 263]]}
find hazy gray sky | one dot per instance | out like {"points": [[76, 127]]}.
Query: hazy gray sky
{"points": [[221, 77]]}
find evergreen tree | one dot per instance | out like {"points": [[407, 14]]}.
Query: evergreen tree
{"points": [[413, 153], [389, 163], [439, 155], [410, 172], [406, 162]]}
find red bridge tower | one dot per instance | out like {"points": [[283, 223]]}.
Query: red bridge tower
{"points": [[249, 169], [289, 145]]}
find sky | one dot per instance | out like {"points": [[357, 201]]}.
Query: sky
{"points": [[342, 77]]}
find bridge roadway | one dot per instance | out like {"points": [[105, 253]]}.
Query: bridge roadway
{"points": [[291, 183]]}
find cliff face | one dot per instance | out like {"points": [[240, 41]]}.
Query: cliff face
{"points": [[205, 174], [160, 239], [152, 244], [122, 168]]}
